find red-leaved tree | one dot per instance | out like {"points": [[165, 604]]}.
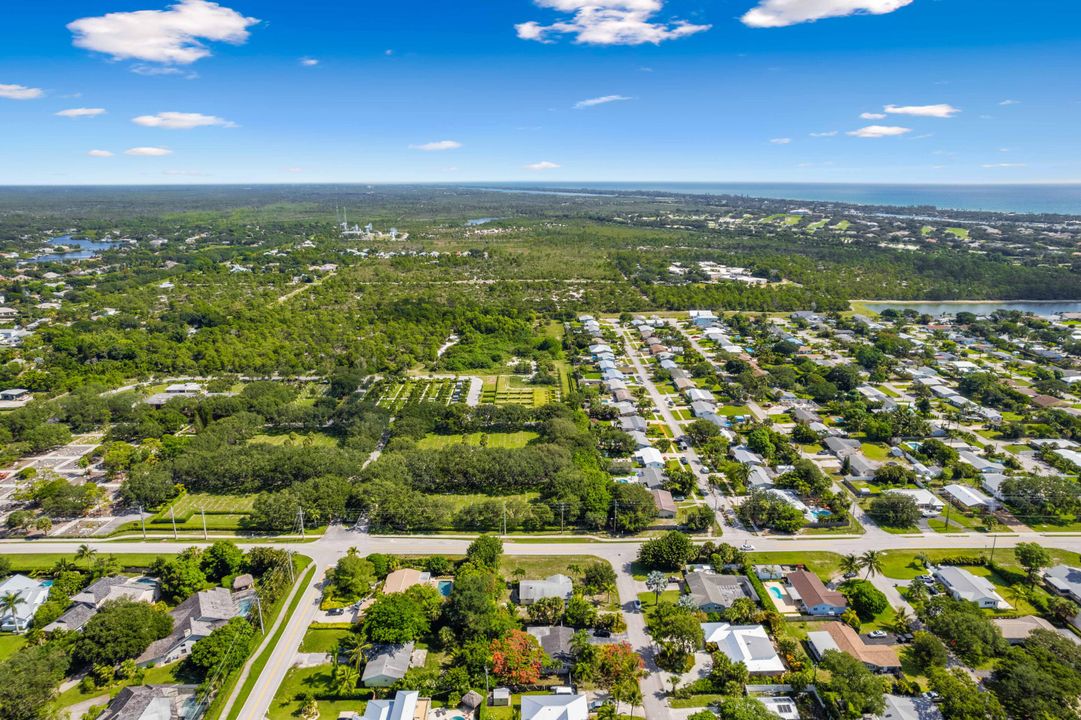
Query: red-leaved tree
{"points": [[517, 658]]}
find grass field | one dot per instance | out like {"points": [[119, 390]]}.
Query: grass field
{"points": [[904, 565], [193, 503], [10, 644], [28, 563], [542, 567], [961, 233], [314, 439], [496, 440], [823, 564], [314, 681], [323, 639], [513, 390]]}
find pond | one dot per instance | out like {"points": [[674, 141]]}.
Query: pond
{"points": [[87, 249], [1043, 308]]}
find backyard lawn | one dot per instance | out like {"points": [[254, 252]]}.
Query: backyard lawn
{"points": [[904, 565], [495, 440], [821, 563], [323, 638]]}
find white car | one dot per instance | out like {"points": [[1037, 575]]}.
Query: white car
{"points": [[877, 634], [746, 547]]}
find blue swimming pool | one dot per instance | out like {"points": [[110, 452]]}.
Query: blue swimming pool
{"points": [[776, 592], [444, 587]]}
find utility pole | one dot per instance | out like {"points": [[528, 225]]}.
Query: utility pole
{"points": [[562, 507], [300, 514], [994, 541], [615, 515], [949, 506], [172, 516], [259, 605], [202, 511], [504, 518], [289, 564], [142, 521]]}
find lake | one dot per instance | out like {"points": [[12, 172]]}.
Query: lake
{"points": [[87, 249], [1043, 308]]}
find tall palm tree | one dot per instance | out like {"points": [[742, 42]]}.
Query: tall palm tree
{"points": [[872, 562], [902, 621], [345, 679], [9, 605], [85, 552], [851, 564]]}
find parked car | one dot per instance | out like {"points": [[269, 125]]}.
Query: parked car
{"points": [[637, 606], [602, 633], [746, 547], [877, 634]]}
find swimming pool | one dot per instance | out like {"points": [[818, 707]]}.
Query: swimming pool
{"points": [[776, 592], [444, 587]]}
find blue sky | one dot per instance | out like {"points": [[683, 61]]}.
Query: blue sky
{"points": [[154, 91]]}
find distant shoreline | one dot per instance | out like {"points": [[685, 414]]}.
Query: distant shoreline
{"points": [[959, 302]]}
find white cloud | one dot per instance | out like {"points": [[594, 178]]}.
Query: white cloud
{"points": [[81, 112], [872, 116], [173, 36], [828, 133], [181, 121], [603, 100], [148, 151], [294, 170], [942, 110], [1003, 165], [608, 22], [438, 146], [100, 154], [1006, 103], [543, 165], [781, 141], [879, 131], [20, 92], [309, 62], [782, 13]]}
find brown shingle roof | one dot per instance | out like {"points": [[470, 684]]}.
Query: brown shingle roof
{"points": [[881, 656], [812, 591]]}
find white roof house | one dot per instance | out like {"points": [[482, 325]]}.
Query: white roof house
{"points": [[899, 707], [748, 644], [649, 457], [963, 585], [530, 591], [554, 707], [401, 707], [1064, 580], [33, 595], [967, 497], [780, 705], [925, 499]]}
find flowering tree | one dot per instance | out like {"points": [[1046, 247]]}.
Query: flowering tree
{"points": [[618, 663], [517, 658]]}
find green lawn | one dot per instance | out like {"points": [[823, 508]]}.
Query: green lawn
{"points": [[320, 639], [26, 563], [316, 439], [821, 563], [314, 681], [495, 440], [903, 565], [879, 452], [961, 233], [542, 567], [10, 644], [192, 503], [649, 600]]}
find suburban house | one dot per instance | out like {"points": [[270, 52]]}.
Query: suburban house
{"points": [[841, 637], [1016, 630], [556, 641], [666, 506], [14, 395], [401, 580], [901, 707], [860, 467], [32, 594], [748, 644], [982, 465], [780, 706], [967, 498], [405, 705], [991, 483], [716, 593], [530, 591], [652, 478], [963, 585], [926, 501], [153, 702], [1065, 581], [812, 596], [386, 665], [649, 457], [193, 620], [842, 447], [116, 587], [554, 707]]}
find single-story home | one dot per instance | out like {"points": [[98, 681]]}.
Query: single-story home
{"points": [[554, 707], [1016, 630], [926, 501], [967, 498], [860, 467], [902, 707], [666, 506], [194, 619], [716, 593], [982, 465], [401, 580], [633, 423], [405, 705], [115, 587], [842, 447], [14, 395], [963, 585], [649, 457], [780, 706], [556, 642], [841, 637], [812, 596], [32, 593], [748, 644], [153, 702], [387, 664], [653, 478], [1065, 581], [530, 591]]}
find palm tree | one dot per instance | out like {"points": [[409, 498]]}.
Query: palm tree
{"points": [[872, 562], [851, 564], [9, 605], [87, 553], [902, 621], [344, 679], [656, 581], [358, 654]]}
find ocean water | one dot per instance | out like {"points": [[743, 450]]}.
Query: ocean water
{"points": [[1042, 308], [1058, 199]]}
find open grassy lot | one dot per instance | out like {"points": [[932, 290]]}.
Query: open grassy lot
{"points": [[312, 439], [542, 567], [905, 565], [497, 440], [193, 503], [823, 564], [323, 639], [314, 681], [37, 562]]}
